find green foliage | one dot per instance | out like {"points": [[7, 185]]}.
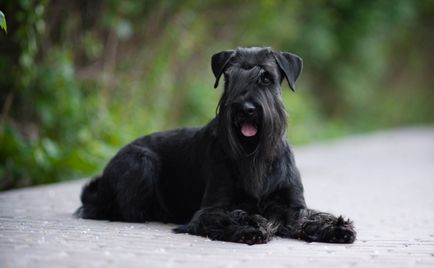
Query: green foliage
{"points": [[79, 80], [3, 24]]}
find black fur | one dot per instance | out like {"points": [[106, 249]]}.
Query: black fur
{"points": [[218, 181]]}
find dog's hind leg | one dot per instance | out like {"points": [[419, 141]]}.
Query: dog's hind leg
{"points": [[232, 226], [126, 190], [315, 226], [95, 204], [136, 170]]}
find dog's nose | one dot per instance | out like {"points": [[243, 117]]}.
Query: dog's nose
{"points": [[249, 108]]}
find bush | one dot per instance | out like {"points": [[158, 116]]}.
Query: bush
{"points": [[82, 78]]}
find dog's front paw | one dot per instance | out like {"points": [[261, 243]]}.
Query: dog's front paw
{"points": [[342, 231], [329, 229], [251, 236]]}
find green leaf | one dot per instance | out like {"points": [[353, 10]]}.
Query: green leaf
{"points": [[3, 22]]}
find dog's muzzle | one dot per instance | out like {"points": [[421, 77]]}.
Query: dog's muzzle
{"points": [[247, 119], [248, 128]]}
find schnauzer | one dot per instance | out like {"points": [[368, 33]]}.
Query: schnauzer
{"points": [[234, 179]]}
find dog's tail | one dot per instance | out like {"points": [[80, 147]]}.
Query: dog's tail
{"points": [[91, 202], [89, 195]]}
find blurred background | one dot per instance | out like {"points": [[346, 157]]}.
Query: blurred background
{"points": [[79, 79]]}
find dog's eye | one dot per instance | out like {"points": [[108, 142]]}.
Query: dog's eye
{"points": [[265, 78]]}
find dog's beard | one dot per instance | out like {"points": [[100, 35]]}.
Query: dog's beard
{"points": [[253, 137], [241, 136], [253, 143]]}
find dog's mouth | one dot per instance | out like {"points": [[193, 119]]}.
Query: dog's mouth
{"points": [[249, 130], [248, 136]]}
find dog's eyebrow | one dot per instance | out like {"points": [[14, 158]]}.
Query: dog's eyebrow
{"points": [[246, 66], [270, 67], [266, 66]]}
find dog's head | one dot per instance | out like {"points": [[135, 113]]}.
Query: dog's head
{"points": [[251, 113]]}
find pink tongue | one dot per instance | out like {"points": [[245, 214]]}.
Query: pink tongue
{"points": [[248, 130]]}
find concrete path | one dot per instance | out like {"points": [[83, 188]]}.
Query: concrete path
{"points": [[383, 181]]}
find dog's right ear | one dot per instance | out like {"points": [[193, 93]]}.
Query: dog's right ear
{"points": [[219, 61]]}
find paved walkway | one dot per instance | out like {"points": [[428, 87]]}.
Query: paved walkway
{"points": [[383, 181]]}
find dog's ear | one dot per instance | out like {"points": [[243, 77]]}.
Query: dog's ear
{"points": [[219, 61], [291, 66]]}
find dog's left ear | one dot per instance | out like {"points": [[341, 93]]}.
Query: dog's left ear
{"points": [[291, 66], [219, 61]]}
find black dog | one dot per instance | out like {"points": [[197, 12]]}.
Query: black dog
{"points": [[234, 179]]}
